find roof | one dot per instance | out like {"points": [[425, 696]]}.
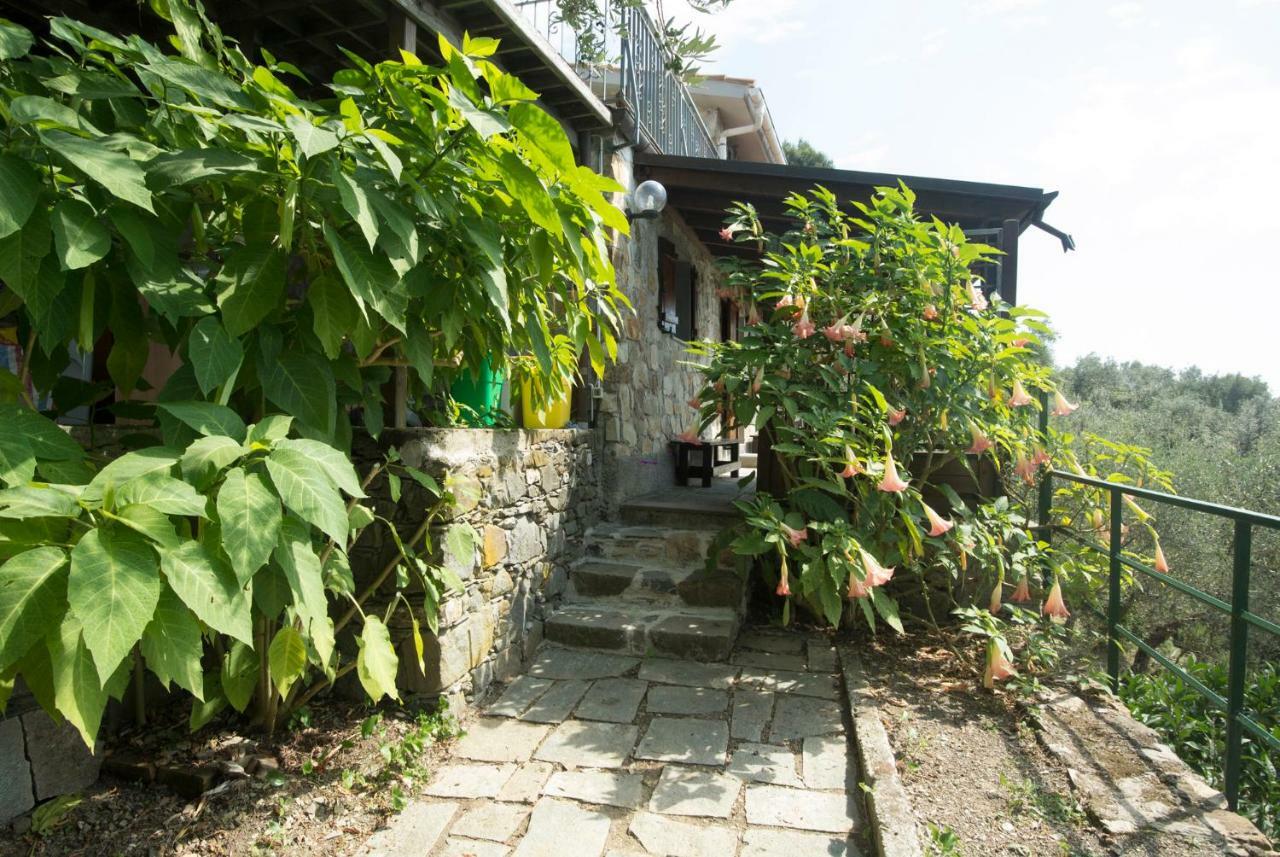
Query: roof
{"points": [[702, 190]]}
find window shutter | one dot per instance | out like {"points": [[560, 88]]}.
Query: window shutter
{"points": [[668, 314], [686, 300]]}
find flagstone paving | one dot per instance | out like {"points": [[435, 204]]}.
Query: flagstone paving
{"points": [[600, 755]]}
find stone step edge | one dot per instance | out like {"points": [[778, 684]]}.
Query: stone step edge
{"points": [[889, 812], [619, 605]]}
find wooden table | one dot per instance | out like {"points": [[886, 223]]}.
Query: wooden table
{"points": [[717, 457]]}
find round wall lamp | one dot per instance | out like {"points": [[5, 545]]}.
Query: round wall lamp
{"points": [[647, 201]]}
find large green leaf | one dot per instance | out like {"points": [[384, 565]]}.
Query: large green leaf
{"points": [[376, 664], [239, 677], [113, 590], [114, 171], [206, 456], [371, 278], [200, 82], [301, 384], [163, 493], [333, 312], [37, 501], [301, 566], [355, 199], [173, 646], [544, 132], [191, 165], [77, 691], [287, 659], [252, 280], [152, 523], [249, 515], [131, 465], [208, 418], [307, 492], [78, 237], [15, 40], [131, 348], [19, 189], [269, 429], [17, 459], [333, 462], [524, 184], [209, 587], [215, 354], [312, 140], [49, 440], [21, 254], [33, 598]]}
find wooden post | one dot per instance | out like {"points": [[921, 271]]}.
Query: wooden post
{"points": [[402, 35], [1009, 261]]}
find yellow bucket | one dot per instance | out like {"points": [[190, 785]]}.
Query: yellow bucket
{"points": [[554, 416]]}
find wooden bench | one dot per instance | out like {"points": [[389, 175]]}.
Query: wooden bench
{"points": [[710, 460]]}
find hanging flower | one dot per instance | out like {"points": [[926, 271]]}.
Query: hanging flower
{"points": [[832, 332], [1054, 607], [757, 381], [1040, 456], [1021, 342], [897, 415], [938, 525], [691, 435], [1019, 397], [726, 234], [796, 537], [877, 574], [858, 587], [753, 314], [803, 328], [1022, 594], [891, 482], [1098, 520], [977, 300], [1142, 514], [930, 313], [784, 586], [981, 443], [1025, 468], [1061, 407], [995, 604], [851, 465], [796, 301], [1162, 565], [998, 667]]}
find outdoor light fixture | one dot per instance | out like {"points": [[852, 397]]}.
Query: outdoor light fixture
{"points": [[647, 201]]}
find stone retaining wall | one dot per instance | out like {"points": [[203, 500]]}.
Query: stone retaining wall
{"points": [[529, 496], [39, 759]]}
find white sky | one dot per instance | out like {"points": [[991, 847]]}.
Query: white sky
{"points": [[1158, 121]]}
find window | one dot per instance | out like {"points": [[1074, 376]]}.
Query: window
{"points": [[677, 293]]}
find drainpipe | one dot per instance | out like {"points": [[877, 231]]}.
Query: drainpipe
{"points": [[759, 119]]}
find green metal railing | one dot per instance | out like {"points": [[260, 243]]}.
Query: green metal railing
{"points": [[1241, 619]]}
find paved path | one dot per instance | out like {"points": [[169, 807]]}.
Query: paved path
{"points": [[593, 754]]}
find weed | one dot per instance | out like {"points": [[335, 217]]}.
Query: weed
{"points": [[49, 816], [944, 842], [1025, 796]]}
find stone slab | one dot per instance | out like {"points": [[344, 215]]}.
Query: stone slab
{"points": [[783, 644], [519, 695], [609, 788], [765, 763], [789, 682], [615, 700], [557, 703], [16, 792], [582, 744], [492, 739], [414, 831], [472, 848], [826, 763], [691, 673], [60, 762], [766, 842], [497, 822], [469, 781], [771, 660], [525, 785], [796, 717], [558, 828], [681, 791], [822, 657], [670, 838], [801, 809], [675, 699], [685, 739], [750, 715], [554, 662]]}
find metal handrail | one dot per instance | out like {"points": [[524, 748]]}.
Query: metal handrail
{"points": [[1241, 618]]}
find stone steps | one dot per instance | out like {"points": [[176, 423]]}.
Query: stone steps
{"points": [[648, 544], [692, 586], [641, 627], [651, 514]]}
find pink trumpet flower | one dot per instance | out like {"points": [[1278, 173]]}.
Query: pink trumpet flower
{"points": [[753, 314], [857, 588], [690, 435], [877, 574], [998, 667], [1061, 407], [897, 415], [977, 300], [803, 328], [938, 525], [1021, 342], [981, 443], [996, 594], [1040, 456], [796, 537], [757, 381], [784, 586], [1026, 469], [726, 234], [851, 465], [891, 482], [1162, 565], [930, 313], [1019, 397], [1054, 607], [1022, 594]]}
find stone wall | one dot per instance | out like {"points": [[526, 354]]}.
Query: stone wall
{"points": [[529, 496], [39, 759], [646, 394]]}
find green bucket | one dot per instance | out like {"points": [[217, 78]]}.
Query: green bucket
{"points": [[481, 392]]}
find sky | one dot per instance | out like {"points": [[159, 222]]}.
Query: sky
{"points": [[1158, 122]]}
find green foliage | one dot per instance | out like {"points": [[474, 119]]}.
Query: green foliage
{"points": [[802, 153], [1197, 730]]}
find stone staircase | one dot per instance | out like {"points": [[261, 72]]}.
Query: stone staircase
{"points": [[644, 589]]}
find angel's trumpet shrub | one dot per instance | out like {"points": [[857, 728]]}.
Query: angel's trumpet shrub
{"points": [[877, 574]]}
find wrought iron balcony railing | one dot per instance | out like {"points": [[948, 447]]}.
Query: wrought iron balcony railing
{"points": [[623, 60]]}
